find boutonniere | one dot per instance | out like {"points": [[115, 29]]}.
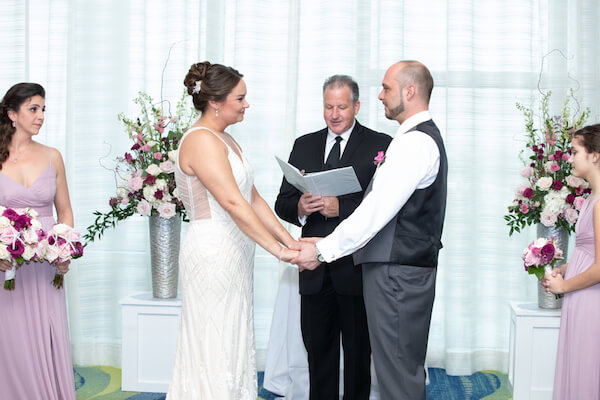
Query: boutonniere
{"points": [[379, 158]]}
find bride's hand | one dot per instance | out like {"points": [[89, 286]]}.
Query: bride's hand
{"points": [[288, 254]]}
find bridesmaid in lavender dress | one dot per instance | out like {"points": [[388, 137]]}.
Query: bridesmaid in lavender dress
{"points": [[34, 347], [577, 375]]}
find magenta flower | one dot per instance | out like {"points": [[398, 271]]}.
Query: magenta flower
{"points": [[22, 222], [113, 202], [528, 192], [16, 249], [557, 185], [380, 158], [150, 180], [128, 158], [158, 194], [547, 253], [10, 214], [570, 198]]}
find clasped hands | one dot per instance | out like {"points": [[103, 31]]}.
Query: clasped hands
{"points": [[553, 282], [302, 253]]}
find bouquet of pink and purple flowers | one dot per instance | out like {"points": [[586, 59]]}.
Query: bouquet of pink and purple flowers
{"points": [[541, 256], [63, 244], [20, 233]]}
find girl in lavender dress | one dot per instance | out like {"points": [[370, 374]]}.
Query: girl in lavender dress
{"points": [[34, 347], [577, 373]]}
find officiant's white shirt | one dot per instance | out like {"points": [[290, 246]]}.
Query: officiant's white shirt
{"points": [[412, 161]]}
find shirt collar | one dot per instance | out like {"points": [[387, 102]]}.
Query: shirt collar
{"points": [[345, 136], [413, 121]]}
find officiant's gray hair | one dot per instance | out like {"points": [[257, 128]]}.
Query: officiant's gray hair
{"points": [[337, 81]]}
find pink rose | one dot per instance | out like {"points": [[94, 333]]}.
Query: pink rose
{"points": [[571, 215], [551, 157], [555, 167], [565, 157], [135, 183], [146, 147], [548, 218], [527, 172], [166, 210], [531, 259], [144, 208], [125, 200], [72, 236], [157, 155], [167, 167], [524, 208], [52, 253], [578, 202], [64, 252], [8, 235]]}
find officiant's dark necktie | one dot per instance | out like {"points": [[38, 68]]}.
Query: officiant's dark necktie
{"points": [[333, 159]]}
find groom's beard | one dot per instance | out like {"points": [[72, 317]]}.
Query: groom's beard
{"points": [[394, 112]]}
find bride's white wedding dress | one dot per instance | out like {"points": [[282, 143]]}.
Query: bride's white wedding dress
{"points": [[215, 356]]}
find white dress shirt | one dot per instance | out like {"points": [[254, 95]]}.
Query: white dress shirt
{"points": [[411, 162], [329, 142]]}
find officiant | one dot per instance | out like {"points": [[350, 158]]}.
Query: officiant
{"points": [[331, 296]]}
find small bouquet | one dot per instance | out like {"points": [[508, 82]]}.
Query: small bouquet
{"points": [[20, 234], [63, 244], [541, 256]]}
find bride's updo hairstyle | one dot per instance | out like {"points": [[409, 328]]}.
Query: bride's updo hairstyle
{"points": [[13, 99], [205, 81], [589, 138]]}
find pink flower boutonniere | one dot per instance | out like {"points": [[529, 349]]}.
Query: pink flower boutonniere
{"points": [[379, 158]]}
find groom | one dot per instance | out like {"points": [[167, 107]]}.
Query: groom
{"points": [[396, 234]]}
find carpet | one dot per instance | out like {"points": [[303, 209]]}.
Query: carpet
{"points": [[104, 383]]}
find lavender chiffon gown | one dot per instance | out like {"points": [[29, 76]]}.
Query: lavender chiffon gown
{"points": [[35, 351], [577, 375]]}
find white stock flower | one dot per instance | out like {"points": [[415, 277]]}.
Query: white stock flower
{"points": [[151, 143], [173, 155], [555, 201], [153, 169], [544, 183], [149, 193], [548, 166], [176, 193], [32, 213]]}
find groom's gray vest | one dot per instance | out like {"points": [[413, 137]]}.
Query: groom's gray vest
{"points": [[413, 236]]}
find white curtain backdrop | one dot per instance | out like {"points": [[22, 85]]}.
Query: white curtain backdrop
{"points": [[94, 56]]}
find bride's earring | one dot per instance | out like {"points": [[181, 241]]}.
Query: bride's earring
{"points": [[217, 112], [13, 124]]}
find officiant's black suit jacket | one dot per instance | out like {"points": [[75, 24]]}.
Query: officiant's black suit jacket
{"points": [[308, 154]]}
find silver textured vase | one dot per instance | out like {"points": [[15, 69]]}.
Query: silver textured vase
{"points": [[164, 253], [545, 299]]}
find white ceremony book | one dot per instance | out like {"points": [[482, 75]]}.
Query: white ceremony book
{"points": [[333, 182]]}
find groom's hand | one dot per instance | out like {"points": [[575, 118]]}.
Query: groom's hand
{"points": [[307, 258]]}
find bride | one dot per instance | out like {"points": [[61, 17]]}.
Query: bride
{"points": [[215, 356]]}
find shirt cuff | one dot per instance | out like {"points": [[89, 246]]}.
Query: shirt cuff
{"points": [[302, 220], [326, 253]]}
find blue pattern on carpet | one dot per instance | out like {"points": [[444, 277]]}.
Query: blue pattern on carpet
{"points": [[104, 383]]}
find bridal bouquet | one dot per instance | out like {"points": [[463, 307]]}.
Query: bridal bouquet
{"points": [[62, 244], [20, 233], [145, 173], [550, 195], [541, 256]]}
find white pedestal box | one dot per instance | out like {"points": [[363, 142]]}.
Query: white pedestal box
{"points": [[149, 329], [532, 350]]}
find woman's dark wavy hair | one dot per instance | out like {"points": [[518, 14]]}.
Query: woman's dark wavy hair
{"points": [[589, 137], [217, 81], [13, 99]]}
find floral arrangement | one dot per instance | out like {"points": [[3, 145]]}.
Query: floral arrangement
{"points": [[541, 257], [20, 232], [145, 173], [62, 244], [551, 194]]}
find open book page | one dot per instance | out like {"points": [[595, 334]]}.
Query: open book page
{"points": [[333, 182]]}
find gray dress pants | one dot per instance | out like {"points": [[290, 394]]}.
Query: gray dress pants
{"points": [[398, 300]]}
